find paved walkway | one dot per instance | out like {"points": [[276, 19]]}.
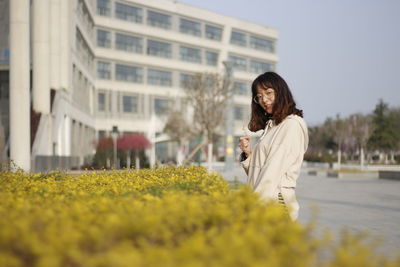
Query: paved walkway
{"points": [[358, 204]]}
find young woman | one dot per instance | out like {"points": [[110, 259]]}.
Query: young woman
{"points": [[274, 164]]}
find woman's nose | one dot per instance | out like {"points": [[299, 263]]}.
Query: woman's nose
{"points": [[265, 99]]}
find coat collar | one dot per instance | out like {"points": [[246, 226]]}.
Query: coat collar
{"points": [[270, 123]]}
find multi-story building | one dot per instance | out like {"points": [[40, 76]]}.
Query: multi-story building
{"points": [[124, 63]]}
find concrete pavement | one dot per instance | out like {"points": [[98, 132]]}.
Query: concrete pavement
{"points": [[358, 204]]}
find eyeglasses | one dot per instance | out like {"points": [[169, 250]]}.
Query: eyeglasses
{"points": [[260, 97]]}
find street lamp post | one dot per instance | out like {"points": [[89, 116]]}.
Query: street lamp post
{"points": [[114, 135], [229, 157]]}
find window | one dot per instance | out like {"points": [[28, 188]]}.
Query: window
{"points": [[185, 80], [159, 77], [260, 67], [128, 43], [238, 38], [190, 54], [159, 49], [85, 17], [239, 113], [101, 102], [262, 44], [83, 50], [161, 106], [240, 88], [130, 13], [103, 70], [103, 38], [103, 7], [190, 27], [239, 63], [4, 85], [129, 104], [211, 58], [128, 73], [158, 20], [213, 33]]}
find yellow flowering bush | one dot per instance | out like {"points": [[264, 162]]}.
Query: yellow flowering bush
{"points": [[164, 217]]}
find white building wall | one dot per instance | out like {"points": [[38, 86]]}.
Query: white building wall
{"points": [[73, 53], [55, 42], [139, 122]]}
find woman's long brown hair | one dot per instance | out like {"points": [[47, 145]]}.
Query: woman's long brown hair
{"points": [[284, 104]]}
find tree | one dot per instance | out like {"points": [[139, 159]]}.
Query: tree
{"points": [[207, 93], [135, 142], [180, 131], [384, 137], [395, 118], [361, 130], [338, 129]]}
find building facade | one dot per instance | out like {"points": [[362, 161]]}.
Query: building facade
{"points": [[124, 63]]}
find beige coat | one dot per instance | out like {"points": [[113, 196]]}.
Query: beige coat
{"points": [[275, 162]]}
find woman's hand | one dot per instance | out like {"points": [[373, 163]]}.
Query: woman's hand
{"points": [[244, 144]]}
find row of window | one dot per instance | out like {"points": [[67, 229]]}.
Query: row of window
{"points": [[250, 65], [136, 44], [85, 17], [83, 50], [247, 40], [135, 74], [186, 26], [130, 104], [83, 89], [159, 20]]}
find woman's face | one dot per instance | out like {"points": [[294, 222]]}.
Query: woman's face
{"points": [[266, 98]]}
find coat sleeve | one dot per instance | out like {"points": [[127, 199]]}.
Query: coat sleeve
{"points": [[245, 162], [278, 160]]}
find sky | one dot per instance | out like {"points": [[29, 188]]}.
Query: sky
{"points": [[338, 56]]}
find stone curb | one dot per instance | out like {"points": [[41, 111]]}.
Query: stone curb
{"points": [[391, 175]]}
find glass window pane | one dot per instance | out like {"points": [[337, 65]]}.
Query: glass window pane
{"points": [[161, 106], [103, 70], [103, 7], [238, 38], [128, 43], [158, 20], [261, 67], [240, 88], [159, 49], [4, 85], [101, 102], [103, 38], [190, 27], [185, 80], [211, 58], [262, 44], [239, 63], [127, 12], [129, 104], [213, 33], [159, 77], [128, 73], [190, 54], [239, 113]]}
